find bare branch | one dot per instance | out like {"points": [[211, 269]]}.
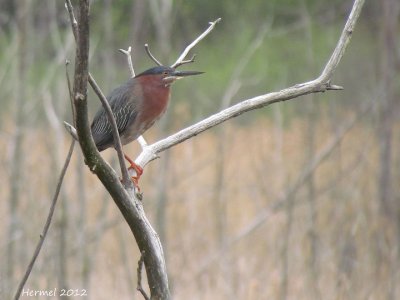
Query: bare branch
{"points": [[139, 278], [71, 100], [188, 61], [129, 59], [74, 23], [321, 84], [185, 52], [47, 224], [71, 130], [344, 40], [147, 48]]}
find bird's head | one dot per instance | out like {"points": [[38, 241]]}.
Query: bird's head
{"points": [[166, 75]]}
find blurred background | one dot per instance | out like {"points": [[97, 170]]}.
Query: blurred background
{"points": [[299, 200]]}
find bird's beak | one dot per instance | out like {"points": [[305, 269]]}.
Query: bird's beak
{"points": [[180, 74]]}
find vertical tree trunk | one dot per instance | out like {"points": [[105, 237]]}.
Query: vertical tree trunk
{"points": [[390, 12], [389, 206]]}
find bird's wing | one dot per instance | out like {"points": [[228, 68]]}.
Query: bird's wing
{"points": [[124, 113]]}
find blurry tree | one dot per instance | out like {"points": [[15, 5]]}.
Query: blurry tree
{"points": [[388, 62], [21, 30], [389, 69]]}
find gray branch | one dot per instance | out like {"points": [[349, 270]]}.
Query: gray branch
{"points": [[117, 141], [124, 197]]}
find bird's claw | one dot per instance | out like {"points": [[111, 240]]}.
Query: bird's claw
{"points": [[138, 169]]}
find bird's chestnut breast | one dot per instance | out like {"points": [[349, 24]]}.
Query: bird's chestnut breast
{"points": [[155, 100]]}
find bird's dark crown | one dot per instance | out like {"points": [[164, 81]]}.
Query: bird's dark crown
{"points": [[157, 70]]}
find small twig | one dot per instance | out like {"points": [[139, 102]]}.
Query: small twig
{"points": [[117, 141], [74, 23], [129, 60], [139, 277], [194, 43], [146, 47], [70, 91], [47, 224], [71, 130], [54, 201], [188, 61]]}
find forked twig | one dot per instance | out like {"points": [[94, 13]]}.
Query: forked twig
{"points": [[185, 52], [129, 59], [188, 61]]}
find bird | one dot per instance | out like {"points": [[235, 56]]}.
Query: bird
{"points": [[136, 105]]}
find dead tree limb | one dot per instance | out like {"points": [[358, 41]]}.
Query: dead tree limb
{"points": [[320, 84]]}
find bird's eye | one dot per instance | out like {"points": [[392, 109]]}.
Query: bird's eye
{"points": [[165, 72]]}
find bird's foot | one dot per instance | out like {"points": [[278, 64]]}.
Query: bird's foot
{"points": [[138, 169], [135, 179]]}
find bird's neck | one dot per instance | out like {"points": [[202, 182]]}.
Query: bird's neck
{"points": [[154, 90], [156, 95]]}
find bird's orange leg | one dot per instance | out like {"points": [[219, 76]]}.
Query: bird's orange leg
{"points": [[138, 169]]}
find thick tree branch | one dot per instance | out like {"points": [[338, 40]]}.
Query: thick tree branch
{"points": [[117, 141], [321, 84], [125, 198]]}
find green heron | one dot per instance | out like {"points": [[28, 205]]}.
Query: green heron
{"points": [[137, 105]]}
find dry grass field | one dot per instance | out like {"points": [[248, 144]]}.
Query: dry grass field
{"points": [[230, 225]]}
